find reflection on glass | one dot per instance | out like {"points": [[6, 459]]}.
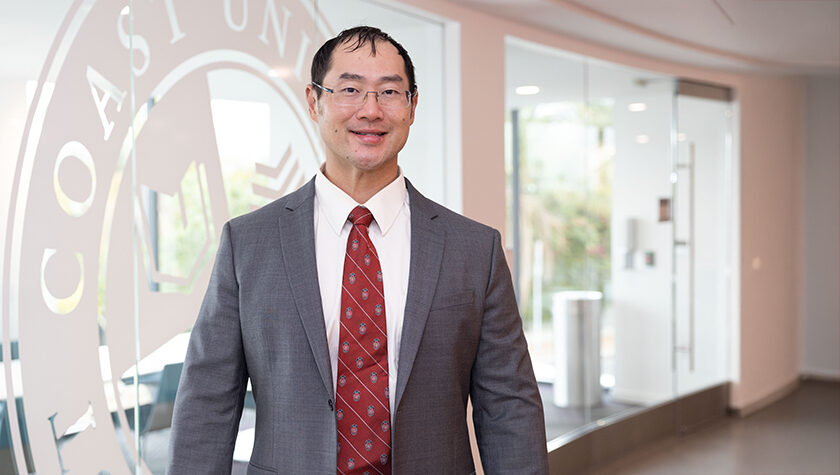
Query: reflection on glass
{"points": [[6, 461], [183, 232], [578, 210], [243, 138], [564, 210]]}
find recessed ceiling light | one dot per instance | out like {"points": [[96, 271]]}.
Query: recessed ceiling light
{"points": [[642, 139], [637, 107], [527, 90]]}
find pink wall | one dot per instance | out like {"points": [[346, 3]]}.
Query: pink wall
{"points": [[771, 112], [771, 229], [483, 137]]}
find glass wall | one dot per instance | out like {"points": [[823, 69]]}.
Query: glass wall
{"points": [[621, 243], [705, 223], [131, 135]]}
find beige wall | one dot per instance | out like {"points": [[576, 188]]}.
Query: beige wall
{"points": [[483, 141], [771, 165]]}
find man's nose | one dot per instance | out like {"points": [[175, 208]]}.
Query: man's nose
{"points": [[370, 108]]}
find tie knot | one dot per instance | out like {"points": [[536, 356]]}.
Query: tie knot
{"points": [[360, 216]]}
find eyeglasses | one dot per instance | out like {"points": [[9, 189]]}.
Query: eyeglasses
{"points": [[387, 98]]}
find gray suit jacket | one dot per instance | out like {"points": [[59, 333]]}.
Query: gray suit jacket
{"points": [[262, 318]]}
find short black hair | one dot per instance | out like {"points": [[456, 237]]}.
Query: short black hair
{"points": [[356, 38]]}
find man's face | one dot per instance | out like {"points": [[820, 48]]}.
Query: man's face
{"points": [[365, 138]]}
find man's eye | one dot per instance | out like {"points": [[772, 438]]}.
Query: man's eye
{"points": [[389, 92], [349, 91]]}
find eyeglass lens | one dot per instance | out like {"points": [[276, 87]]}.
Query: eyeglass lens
{"points": [[386, 98]]}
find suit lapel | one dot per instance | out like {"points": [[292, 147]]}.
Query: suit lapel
{"points": [[297, 242], [426, 255]]}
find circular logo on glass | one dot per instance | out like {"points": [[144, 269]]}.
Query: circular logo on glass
{"points": [[148, 130]]}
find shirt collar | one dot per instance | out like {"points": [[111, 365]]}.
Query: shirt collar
{"points": [[336, 205]]}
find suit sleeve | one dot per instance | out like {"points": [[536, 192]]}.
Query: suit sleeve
{"points": [[507, 408], [211, 392]]}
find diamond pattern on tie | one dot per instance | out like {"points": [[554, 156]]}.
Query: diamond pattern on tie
{"points": [[363, 415]]}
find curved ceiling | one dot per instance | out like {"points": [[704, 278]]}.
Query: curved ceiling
{"points": [[777, 36]]}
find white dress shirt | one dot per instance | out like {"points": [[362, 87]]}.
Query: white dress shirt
{"points": [[390, 233]]}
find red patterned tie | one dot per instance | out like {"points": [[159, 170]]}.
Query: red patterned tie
{"points": [[363, 416]]}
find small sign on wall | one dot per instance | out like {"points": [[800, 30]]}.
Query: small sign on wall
{"points": [[650, 259], [664, 210]]}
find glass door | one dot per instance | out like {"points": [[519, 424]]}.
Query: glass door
{"points": [[705, 204], [642, 242]]}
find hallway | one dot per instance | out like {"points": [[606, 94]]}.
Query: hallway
{"points": [[799, 434]]}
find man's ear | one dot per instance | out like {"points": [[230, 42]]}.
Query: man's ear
{"points": [[312, 102], [413, 106]]}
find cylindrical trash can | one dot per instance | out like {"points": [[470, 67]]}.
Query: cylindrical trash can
{"points": [[577, 348]]}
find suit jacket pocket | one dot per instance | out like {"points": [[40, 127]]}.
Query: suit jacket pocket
{"points": [[462, 297], [254, 469]]}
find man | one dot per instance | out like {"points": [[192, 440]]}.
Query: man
{"points": [[363, 313]]}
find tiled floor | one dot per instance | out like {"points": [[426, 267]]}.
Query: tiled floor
{"points": [[798, 435]]}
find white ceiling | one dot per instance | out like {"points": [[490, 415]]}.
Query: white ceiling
{"points": [[789, 36], [775, 36], [563, 77]]}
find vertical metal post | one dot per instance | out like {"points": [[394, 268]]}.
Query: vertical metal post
{"points": [[135, 263], [674, 221], [691, 254]]}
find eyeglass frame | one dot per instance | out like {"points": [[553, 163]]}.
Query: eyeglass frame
{"points": [[408, 94]]}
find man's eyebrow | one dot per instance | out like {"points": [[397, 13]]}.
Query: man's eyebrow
{"points": [[392, 78], [359, 77], [351, 76]]}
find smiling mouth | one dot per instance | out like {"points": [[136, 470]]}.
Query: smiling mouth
{"points": [[369, 134]]}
